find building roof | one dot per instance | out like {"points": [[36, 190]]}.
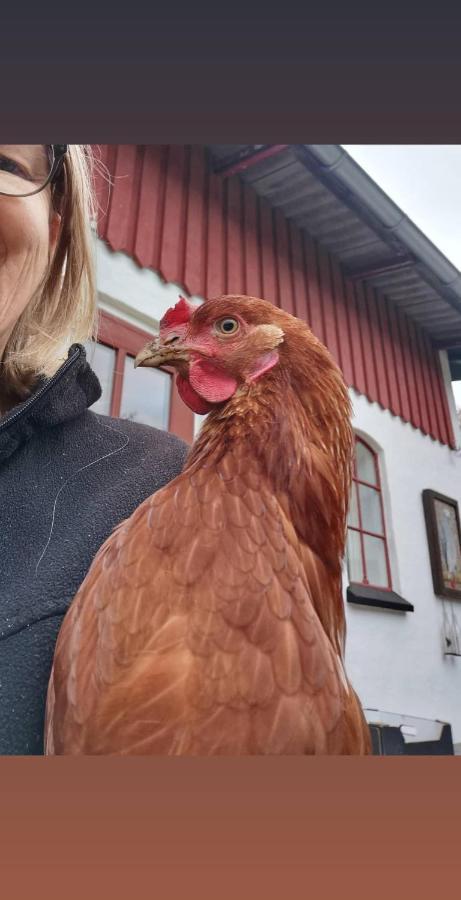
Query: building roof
{"points": [[326, 193], [207, 234]]}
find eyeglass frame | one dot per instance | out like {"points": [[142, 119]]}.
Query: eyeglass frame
{"points": [[59, 152]]}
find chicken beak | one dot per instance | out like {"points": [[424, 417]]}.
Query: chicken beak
{"points": [[156, 354]]}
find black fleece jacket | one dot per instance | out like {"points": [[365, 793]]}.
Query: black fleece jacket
{"points": [[67, 478]]}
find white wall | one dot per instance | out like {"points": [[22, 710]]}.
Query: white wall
{"points": [[395, 660], [135, 295]]}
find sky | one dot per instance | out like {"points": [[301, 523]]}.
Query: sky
{"points": [[425, 182]]}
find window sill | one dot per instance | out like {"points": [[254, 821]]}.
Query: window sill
{"points": [[364, 595]]}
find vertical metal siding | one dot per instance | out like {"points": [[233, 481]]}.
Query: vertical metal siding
{"points": [[215, 257], [358, 379], [233, 245], [196, 223], [268, 253], [368, 342], [301, 299], [377, 350], [397, 358], [252, 269], [388, 355], [210, 235], [328, 303], [315, 299], [285, 298], [409, 365]]}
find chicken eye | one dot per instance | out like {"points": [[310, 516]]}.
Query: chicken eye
{"points": [[227, 326]]}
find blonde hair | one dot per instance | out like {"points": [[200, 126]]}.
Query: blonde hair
{"points": [[63, 309]]}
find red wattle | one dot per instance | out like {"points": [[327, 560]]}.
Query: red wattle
{"points": [[211, 382], [191, 398]]}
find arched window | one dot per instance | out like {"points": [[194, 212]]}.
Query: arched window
{"points": [[367, 552]]}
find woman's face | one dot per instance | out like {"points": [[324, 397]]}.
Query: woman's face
{"points": [[28, 234]]}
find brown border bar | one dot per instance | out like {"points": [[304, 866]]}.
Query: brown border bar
{"points": [[253, 827]]}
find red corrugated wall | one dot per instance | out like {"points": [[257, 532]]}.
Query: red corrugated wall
{"points": [[211, 235]]}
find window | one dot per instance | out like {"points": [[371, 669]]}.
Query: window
{"points": [[456, 386], [102, 360], [198, 422], [143, 395], [367, 553], [145, 399]]}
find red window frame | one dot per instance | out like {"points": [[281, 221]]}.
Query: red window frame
{"points": [[127, 339], [362, 531]]}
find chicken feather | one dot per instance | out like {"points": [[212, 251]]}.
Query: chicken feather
{"points": [[211, 621]]}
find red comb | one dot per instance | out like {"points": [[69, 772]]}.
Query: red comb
{"points": [[177, 314]]}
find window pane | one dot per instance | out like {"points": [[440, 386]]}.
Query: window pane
{"points": [[354, 556], [365, 463], [198, 422], [375, 561], [102, 361], [145, 395], [353, 517], [370, 508]]}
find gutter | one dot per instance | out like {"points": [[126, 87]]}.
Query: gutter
{"points": [[354, 187]]}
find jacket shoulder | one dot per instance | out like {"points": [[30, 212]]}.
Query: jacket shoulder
{"points": [[143, 435], [124, 461], [144, 443]]}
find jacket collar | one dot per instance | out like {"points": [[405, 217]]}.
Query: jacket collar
{"points": [[64, 396]]}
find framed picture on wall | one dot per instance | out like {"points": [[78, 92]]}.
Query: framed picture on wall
{"points": [[444, 539]]}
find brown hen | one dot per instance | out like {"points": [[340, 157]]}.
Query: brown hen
{"points": [[211, 621]]}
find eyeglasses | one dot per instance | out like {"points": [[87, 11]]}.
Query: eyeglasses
{"points": [[26, 169]]}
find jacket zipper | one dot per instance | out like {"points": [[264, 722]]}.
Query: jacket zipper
{"points": [[43, 390]]}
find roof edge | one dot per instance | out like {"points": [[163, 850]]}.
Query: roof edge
{"points": [[337, 164]]}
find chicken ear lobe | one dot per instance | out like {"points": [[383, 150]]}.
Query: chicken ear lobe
{"points": [[264, 339], [263, 364]]}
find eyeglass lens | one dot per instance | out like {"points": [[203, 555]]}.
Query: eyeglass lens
{"points": [[24, 168]]}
